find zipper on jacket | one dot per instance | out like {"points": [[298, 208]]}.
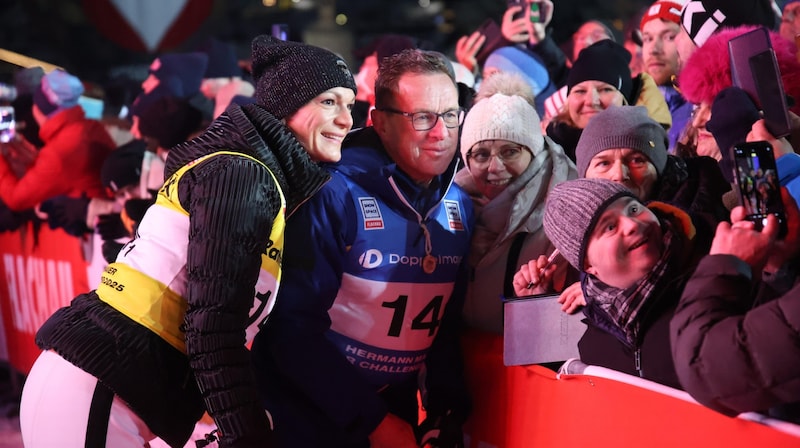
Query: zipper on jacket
{"points": [[637, 357]]}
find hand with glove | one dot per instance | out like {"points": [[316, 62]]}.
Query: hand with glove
{"points": [[67, 213], [11, 220], [111, 249], [441, 432], [110, 227], [732, 115], [134, 211]]}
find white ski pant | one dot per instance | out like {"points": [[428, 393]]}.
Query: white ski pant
{"points": [[63, 406]]}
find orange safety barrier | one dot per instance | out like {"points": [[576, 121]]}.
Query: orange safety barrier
{"points": [[42, 271], [532, 406]]}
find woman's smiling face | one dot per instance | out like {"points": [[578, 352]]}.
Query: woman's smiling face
{"points": [[496, 163]]}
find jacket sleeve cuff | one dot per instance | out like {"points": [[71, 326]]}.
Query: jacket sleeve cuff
{"points": [[726, 265]]}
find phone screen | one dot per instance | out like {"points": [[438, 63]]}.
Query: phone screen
{"points": [[536, 13], [7, 124], [280, 31], [757, 183]]}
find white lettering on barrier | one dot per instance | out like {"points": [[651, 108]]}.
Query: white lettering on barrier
{"points": [[36, 288]]}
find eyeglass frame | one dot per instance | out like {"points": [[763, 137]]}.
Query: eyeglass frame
{"points": [[520, 150], [410, 115]]}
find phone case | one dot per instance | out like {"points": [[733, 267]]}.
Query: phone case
{"points": [[771, 96], [494, 40], [740, 49]]}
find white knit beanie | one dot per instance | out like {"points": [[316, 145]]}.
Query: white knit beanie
{"points": [[502, 117]]}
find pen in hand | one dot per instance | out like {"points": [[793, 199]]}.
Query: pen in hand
{"points": [[550, 261]]}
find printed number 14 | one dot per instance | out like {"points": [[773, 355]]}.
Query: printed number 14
{"points": [[419, 322]]}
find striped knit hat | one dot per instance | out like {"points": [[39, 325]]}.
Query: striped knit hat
{"points": [[572, 210]]}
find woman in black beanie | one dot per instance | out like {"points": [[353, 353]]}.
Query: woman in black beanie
{"points": [[163, 338], [599, 79]]}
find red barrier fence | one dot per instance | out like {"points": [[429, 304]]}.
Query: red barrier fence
{"points": [[532, 406], [42, 271]]}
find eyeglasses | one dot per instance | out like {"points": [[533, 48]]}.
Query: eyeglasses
{"points": [[482, 156], [425, 121]]}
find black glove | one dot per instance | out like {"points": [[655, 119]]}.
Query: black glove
{"points": [[732, 115], [441, 432], [111, 249], [136, 208], [67, 213], [11, 220], [110, 227]]}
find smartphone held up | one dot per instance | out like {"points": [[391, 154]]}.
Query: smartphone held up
{"points": [[531, 9], [756, 177]]}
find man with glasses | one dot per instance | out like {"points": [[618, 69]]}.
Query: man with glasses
{"points": [[372, 289]]}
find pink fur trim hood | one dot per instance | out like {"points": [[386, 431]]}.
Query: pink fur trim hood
{"points": [[708, 69]]}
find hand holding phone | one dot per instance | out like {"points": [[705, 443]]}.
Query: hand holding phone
{"points": [[521, 3], [537, 11], [493, 40]]}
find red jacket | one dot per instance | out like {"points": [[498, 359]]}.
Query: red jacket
{"points": [[68, 164]]}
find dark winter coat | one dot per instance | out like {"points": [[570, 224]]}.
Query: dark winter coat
{"points": [[232, 201], [730, 355]]}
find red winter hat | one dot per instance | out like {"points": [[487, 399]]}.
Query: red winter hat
{"points": [[669, 11]]}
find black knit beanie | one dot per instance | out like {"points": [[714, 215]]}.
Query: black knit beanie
{"points": [[702, 18], [572, 210], [222, 61], [170, 120], [290, 74], [123, 166], [605, 61]]}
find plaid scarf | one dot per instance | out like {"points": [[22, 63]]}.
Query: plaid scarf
{"points": [[624, 306]]}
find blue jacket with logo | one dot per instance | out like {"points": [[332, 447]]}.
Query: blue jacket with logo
{"points": [[370, 299]]}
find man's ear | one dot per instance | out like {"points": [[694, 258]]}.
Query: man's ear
{"points": [[377, 121], [591, 270]]}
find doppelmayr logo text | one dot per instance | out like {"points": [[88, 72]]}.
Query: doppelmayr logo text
{"points": [[373, 258]]}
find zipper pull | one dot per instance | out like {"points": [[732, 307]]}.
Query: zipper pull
{"points": [[637, 356]]}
